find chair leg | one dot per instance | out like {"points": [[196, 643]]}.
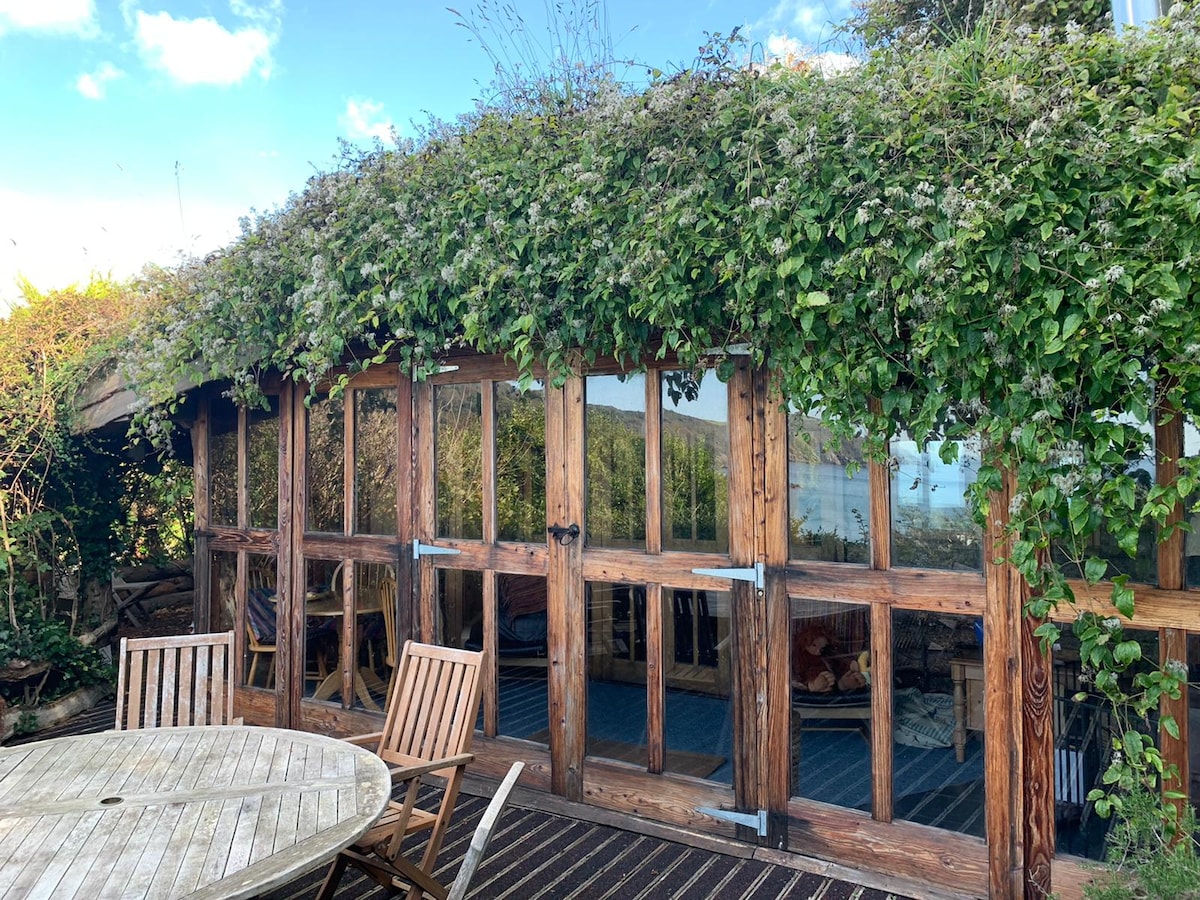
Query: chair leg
{"points": [[329, 886]]}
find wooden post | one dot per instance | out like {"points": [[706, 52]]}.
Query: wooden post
{"points": [[289, 567], [1037, 728], [879, 479], [1002, 705], [1172, 644]]}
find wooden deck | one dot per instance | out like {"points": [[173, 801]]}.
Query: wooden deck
{"points": [[548, 855]]}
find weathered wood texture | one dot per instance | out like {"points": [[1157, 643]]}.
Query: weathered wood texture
{"points": [[1037, 759], [202, 812], [1168, 446], [182, 680], [1002, 704]]}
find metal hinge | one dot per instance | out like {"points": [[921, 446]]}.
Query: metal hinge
{"points": [[757, 821], [756, 574], [420, 550]]}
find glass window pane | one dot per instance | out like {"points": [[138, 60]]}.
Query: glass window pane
{"points": [[695, 462], [458, 440], [262, 614], [378, 645], [699, 699], [616, 698], [459, 607], [222, 464], [223, 586], [326, 481], [932, 526], [831, 702], [263, 466], [828, 508], [616, 461], [520, 463], [375, 461], [1191, 450], [521, 654], [323, 611], [938, 713]]}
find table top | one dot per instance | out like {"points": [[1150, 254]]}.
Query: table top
{"points": [[199, 812]]}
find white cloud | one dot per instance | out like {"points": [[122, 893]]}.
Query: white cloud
{"points": [[812, 21], [64, 240], [91, 84], [77, 17], [365, 119], [202, 51], [790, 52]]}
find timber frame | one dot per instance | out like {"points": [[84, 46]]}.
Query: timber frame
{"points": [[1017, 859]]}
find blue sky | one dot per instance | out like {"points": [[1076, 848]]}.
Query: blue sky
{"points": [[140, 130]]}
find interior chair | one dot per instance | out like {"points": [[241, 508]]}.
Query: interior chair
{"points": [[180, 680], [483, 833], [428, 730]]}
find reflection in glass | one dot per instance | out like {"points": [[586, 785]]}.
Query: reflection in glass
{"points": [[262, 615], [263, 466], [932, 526], [699, 698], [321, 644], [325, 466], [695, 462], [938, 720], [1070, 553], [458, 441], [376, 638], [828, 508], [520, 463], [223, 582], [616, 461], [375, 461], [616, 698], [831, 702], [222, 464], [521, 653], [459, 606]]}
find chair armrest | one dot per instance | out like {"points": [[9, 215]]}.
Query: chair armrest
{"points": [[365, 740], [407, 773]]}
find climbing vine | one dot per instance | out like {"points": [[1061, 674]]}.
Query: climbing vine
{"points": [[994, 239]]}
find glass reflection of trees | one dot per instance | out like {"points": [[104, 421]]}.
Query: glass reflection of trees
{"points": [[458, 443], [931, 525], [695, 462], [520, 463], [325, 472], [263, 466], [375, 461], [223, 464], [616, 461], [828, 494]]}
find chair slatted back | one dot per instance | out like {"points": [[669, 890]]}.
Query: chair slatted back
{"points": [[179, 680], [434, 703]]}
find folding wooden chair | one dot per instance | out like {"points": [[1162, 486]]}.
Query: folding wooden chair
{"points": [[483, 833], [179, 680], [430, 722]]}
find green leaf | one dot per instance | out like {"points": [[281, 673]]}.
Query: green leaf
{"points": [[1094, 569]]}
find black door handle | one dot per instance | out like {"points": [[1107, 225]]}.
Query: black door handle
{"points": [[564, 534]]}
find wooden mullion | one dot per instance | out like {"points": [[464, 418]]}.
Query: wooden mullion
{"points": [[882, 759], [424, 509], [491, 679], [574, 591], [291, 623], [879, 484], [656, 681], [348, 659], [243, 468], [349, 463], [770, 467], [406, 504], [488, 449], [654, 496]]}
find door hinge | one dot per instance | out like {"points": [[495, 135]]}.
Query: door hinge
{"points": [[756, 820], [420, 550], [755, 574]]}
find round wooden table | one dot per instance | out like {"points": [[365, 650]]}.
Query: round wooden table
{"points": [[201, 812]]}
